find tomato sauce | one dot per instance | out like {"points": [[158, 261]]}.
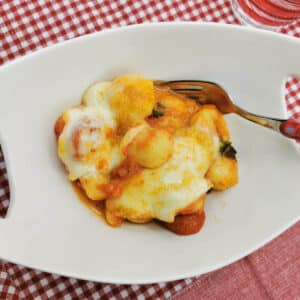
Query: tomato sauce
{"points": [[97, 207], [118, 178]]}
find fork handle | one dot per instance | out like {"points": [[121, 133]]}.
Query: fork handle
{"points": [[290, 128]]}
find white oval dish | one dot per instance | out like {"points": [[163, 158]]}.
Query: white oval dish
{"points": [[48, 227]]}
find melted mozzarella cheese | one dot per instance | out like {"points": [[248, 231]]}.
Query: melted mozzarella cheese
{"points": [[86, 145], [98, 95], [162, 192], [89, 148]]}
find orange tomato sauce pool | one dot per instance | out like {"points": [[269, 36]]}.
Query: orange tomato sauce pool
{"points": [[97, 207]]}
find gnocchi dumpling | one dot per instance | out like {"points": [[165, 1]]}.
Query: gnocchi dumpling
{"points": [[149, 147], [132, 99], [212, 120], [223, 174]]}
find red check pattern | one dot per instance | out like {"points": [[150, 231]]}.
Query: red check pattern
{"points": [[25, 26]]}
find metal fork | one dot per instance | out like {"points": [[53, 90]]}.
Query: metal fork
{"points": [[206, 92]]}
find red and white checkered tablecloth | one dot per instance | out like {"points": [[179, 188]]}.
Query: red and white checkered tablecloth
{"points": [[272, 272]]}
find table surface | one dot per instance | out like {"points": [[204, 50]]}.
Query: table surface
{"points": [[273, 272]]}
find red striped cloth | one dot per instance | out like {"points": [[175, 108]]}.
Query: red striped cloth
{"points": [[272, 272]]}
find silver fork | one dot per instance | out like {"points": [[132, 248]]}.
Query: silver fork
{"points": [[205, 92]]}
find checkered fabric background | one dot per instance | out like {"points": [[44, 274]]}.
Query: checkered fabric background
{"points": [[26, 26]]}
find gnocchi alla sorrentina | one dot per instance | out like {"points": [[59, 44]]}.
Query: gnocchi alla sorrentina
{"points": [[140, 153]]}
